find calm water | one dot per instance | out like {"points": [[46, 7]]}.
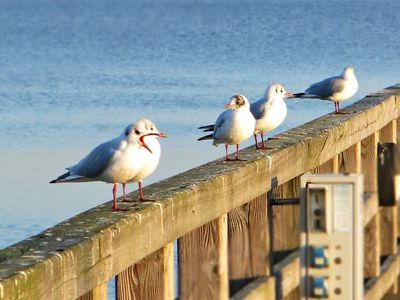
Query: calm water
{"points": [[75, 73]]}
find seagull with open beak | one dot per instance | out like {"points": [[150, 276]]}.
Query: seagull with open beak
{"points": [[119, 160], [150, 157]]}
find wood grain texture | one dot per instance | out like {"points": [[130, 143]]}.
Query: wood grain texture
{"points": [[293, 295], [75, 256], [369, 162], [151, 278], [98, 293], [260, 288], [330, 166], [376, 288], [249, 240], [372, 229], [371, 207], [350, 159], [372, 247], [287, 273], [203, 262], [393, 294], [388, 214], [286, 219]]}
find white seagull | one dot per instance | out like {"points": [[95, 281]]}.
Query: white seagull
{"points": [[336, 89], [233, 126], [119, 160], [269, 111], [151, 158]]}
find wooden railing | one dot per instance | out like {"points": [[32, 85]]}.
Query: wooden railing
{"points": [[218, 213]]}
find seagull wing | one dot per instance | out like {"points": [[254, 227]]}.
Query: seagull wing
{"points": [[327, 87], [258, 109], [96, 161]]}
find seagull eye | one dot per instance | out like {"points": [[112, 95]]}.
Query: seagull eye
{"points": [[137, 131]]}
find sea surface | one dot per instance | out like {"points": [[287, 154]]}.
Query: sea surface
{"points": [[74, 73]]}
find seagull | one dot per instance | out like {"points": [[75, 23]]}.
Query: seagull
{"points": [[269, 111], [151, 158], [233, 126], [336, 89], [116, 161]]}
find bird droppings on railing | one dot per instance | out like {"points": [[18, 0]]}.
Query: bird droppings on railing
{"points": [[161, 215], [171, 201], [138, 217], [23, 273], [270, 162]]}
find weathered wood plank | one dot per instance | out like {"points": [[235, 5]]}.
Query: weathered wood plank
{"points": [[98, 293], [203, 262], [75, 256], [151, 278], [286, 219], [391, 295], [249, 240], [350, 159], [376, 288], [293, 295], [371, 207], [388, 227], [372, 229], [388, 214], [260, 288], [330, 166], [287, 273]]}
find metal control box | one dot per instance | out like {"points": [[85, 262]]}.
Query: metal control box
{"points": [[331, 236]]}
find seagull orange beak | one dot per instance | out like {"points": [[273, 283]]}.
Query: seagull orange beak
{"points": [[288, 94], [228, 105], [161, 134]]}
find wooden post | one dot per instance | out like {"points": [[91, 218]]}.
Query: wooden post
{"points": [[151, 278], [249, 240], [286, 218], [372, 229], [203, 262], [388, 214], [98, 293], [350, 159], [331, 166]]}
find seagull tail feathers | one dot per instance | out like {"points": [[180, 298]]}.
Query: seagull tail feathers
{"points": [[207, 128], [206, 137], [67, 177], [298, 95]]}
